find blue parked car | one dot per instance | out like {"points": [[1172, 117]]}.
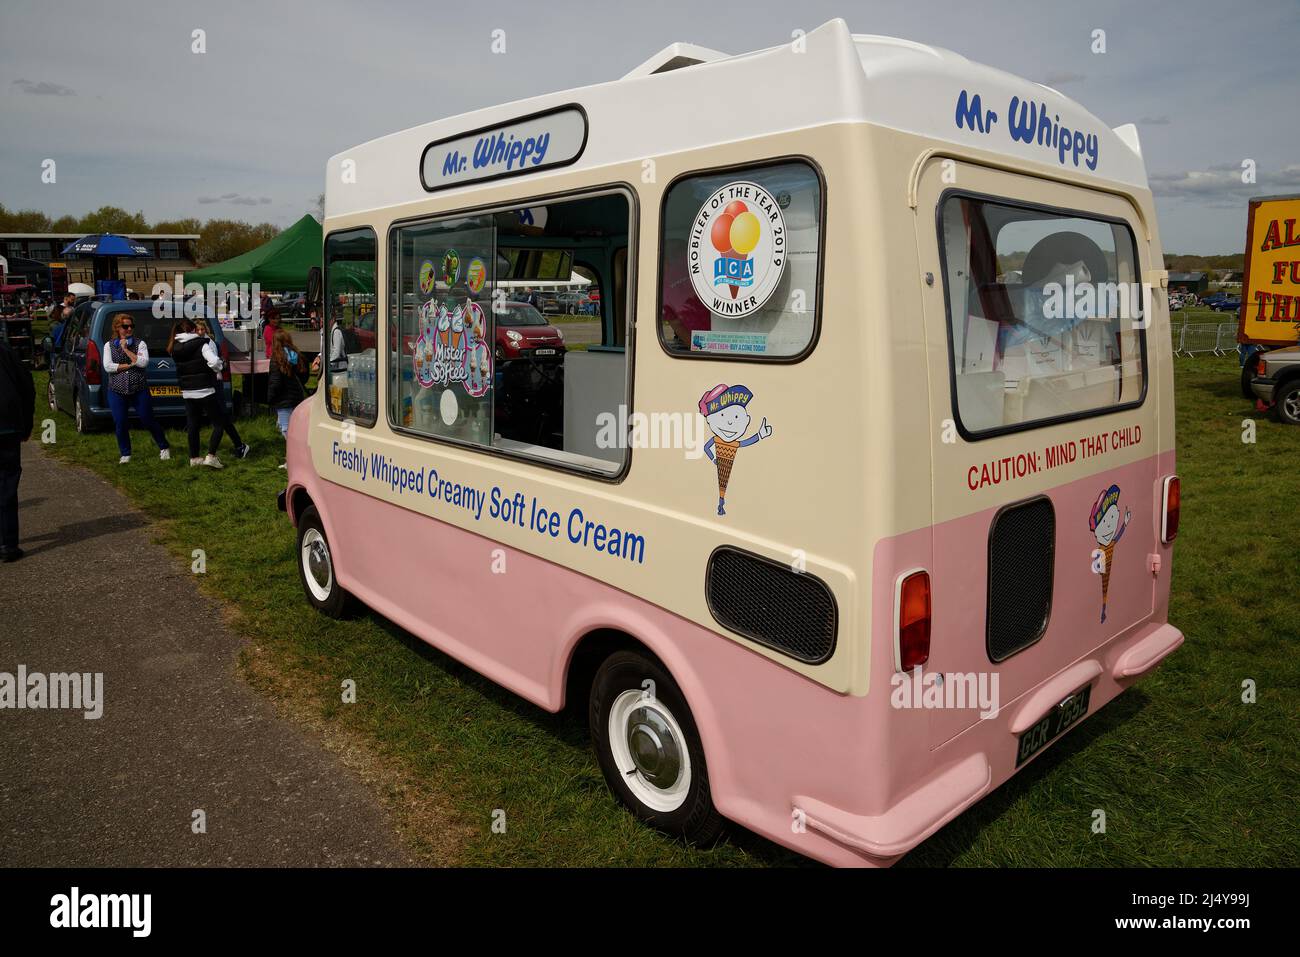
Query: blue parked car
{"points": [[78, 383]]}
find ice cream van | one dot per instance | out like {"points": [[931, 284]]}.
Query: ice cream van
{"points": [[857, 492]]}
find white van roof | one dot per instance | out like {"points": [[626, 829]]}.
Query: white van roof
{"points": [[686, 97]]}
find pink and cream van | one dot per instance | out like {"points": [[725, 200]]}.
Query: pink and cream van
{"points": [[856, 492]]}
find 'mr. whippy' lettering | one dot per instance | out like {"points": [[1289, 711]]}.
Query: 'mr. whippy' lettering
{"points": [[1030, 121], [500, 150]]}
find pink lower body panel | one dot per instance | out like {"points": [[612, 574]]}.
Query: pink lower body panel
{"points": [[845, 780]]}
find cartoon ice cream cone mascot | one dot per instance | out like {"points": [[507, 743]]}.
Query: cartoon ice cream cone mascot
{"points": [[723, 408], [1105, 524]]}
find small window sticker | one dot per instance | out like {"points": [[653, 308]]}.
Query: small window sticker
{"points": [[737, 250], [427, 277]]}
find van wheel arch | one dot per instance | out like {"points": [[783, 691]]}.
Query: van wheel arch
{"points": [[299, 502]]}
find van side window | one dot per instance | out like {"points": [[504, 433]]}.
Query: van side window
{"points": [[1045, 314], [505, 336], [350, 368], [741, 252]]}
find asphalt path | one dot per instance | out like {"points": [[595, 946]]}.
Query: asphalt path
{"points": [[180, 731]]}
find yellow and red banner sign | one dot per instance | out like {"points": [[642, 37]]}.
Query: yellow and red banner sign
{"points": [[1270, 291]]}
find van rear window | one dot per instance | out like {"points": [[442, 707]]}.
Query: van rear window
{"points": [[1045, 314], [155, 331]]}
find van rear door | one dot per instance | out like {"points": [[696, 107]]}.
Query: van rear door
{"points": [[1045, 489]]}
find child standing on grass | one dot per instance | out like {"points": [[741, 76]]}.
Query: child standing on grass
{"points": [[287, 385], [197, 366]]}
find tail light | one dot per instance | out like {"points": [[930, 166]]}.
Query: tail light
{"points": [[91, 370], [1261, 367], [913, 603], [225, 361], [1173, 499]]}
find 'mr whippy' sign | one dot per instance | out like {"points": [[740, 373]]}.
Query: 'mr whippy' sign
{"points": [[543, 140], [736, 252]]}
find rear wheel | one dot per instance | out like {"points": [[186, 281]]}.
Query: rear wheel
{"points": [[649, 749], [84, 423], [1287, 402], [316, 567]]}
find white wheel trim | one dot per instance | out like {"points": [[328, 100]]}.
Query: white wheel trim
{"points": [[311, 540], [662, 800]]}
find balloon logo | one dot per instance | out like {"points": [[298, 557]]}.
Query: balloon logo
{"points": [[735, 234]]}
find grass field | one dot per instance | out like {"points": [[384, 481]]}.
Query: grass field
{"points": [[1185, 771]]}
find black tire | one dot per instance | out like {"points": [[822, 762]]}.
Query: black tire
{"points": [[1286, 402], [83, 422], [1248, 373], [694, 819], [327, 597]]}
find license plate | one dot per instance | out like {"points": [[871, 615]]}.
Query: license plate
{"points": [[164, 390], [543, 352], [1053, 724]]}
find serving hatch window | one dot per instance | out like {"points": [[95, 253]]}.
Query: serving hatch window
{"points": [[499, 338], [739, 272], [1045, 314]]}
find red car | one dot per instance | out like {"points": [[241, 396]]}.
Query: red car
{"points": [[523, 332]]}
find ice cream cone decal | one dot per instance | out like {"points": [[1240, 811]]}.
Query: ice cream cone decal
{"points": [[457, 328], [444, 328], [725, 410], [1104, 522]]}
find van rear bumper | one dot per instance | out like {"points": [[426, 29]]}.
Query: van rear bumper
{"points": [[982, 758]]}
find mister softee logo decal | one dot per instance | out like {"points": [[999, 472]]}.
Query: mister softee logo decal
{"points": [[737, 249]]}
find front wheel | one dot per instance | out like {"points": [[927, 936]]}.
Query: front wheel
{"points": [[316, 567], [1286, 400], [649, 749]]}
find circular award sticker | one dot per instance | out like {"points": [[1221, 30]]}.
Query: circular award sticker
{"points": [[736, 254], [476, 275], [426, 277]]}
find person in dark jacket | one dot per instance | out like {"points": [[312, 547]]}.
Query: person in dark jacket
{"points": [[288, 381], [17, 406], [197, 366]]}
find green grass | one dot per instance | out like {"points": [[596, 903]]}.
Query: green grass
{"points": [[1186, 773]]}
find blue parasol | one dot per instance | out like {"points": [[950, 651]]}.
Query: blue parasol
{"points": [[105, 244]]}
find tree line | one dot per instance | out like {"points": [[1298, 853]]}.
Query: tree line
{"points": [[220, 239]]}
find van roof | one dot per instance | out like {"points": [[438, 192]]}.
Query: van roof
{"points": [[686, 97]]}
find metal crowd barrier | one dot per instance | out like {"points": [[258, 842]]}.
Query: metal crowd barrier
{"points": [[1216, 338]]}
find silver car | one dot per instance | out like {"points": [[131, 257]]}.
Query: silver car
{"points": [[1277, 381]]}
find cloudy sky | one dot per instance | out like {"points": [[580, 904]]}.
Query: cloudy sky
{"points": [[133, 118]]}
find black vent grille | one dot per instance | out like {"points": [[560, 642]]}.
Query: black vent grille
{"points": [[772, 604], [1022, 555]]}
